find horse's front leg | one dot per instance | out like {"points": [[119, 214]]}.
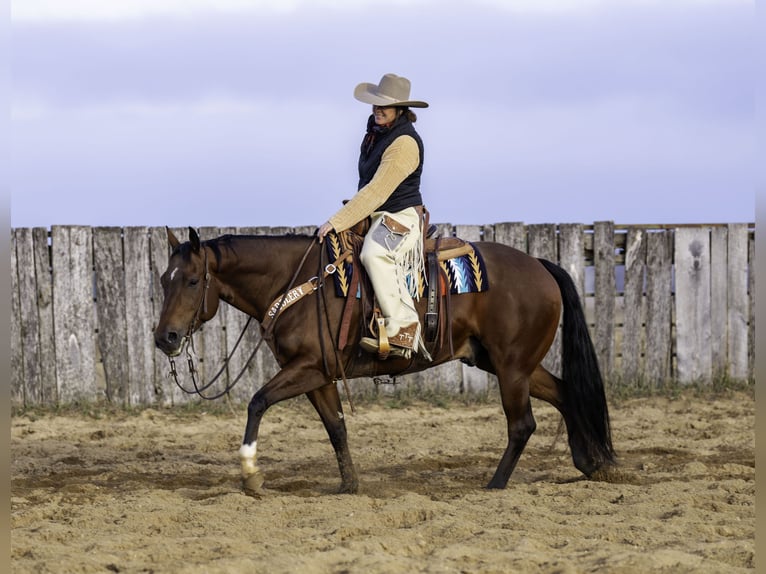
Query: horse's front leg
{"points": [[327, 403], [288, 383]]}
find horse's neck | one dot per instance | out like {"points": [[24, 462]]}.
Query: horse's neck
{"points": [[256, 270]]}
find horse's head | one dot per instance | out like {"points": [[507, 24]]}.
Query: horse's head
{"points": [[190, 294]]}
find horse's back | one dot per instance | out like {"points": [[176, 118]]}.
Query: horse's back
{"points": [[512, 272], [521, 308]]}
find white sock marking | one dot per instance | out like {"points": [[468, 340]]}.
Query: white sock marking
{"points": [[247, 458]]}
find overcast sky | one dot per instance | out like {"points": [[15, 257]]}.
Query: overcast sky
{"points": [[236, 113]]}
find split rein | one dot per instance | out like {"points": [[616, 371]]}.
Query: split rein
{"points": [[273, 314]]}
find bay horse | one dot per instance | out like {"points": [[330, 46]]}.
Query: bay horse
{"points": [[506, 330]]}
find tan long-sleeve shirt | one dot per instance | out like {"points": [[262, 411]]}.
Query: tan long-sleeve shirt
{"points": [[399, 160]]}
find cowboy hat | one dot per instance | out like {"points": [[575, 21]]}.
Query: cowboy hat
{"points": [[393, 90]]}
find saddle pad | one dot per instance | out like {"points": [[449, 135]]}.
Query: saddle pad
{"points": [[466, 273]]}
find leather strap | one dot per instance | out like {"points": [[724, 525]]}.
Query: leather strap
{"points": [[286, 300], [345, 323], [432, 310]]}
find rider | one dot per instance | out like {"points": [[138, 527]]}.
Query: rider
{"points": [[390, 164]]}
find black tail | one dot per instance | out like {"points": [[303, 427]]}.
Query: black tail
{"points": [[587, 414]]}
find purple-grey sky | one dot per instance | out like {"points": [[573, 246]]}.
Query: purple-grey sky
{"points": [[237, 113]]}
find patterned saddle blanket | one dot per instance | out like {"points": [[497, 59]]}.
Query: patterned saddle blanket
{"points": [[465, 273]]}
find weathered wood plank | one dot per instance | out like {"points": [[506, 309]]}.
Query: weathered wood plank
{"points": [[718, 301], [44, 296], [17, 346], [633, 322], [74, 321], [138, 308], [657, 369], [738, 304], [603, 243], [693, 331], [571, 241], [110, 311], [513, 234], [542, 240], [26, 292], [305, 230]]}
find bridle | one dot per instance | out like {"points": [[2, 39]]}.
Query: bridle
{"points": [[188, 340], [269, 324]]}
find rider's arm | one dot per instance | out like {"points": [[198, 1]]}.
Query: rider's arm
{"points": [[399, 160]]}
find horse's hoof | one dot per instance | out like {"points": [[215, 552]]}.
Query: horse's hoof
{"points": [[351, 488], [253, 484]]}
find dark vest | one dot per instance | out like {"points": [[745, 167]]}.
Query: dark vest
{"points": [[407, 194]]}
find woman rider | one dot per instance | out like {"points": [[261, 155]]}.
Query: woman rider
{"points": [[390, 164]]}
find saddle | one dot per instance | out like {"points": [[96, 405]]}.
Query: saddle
{"points": [[436, 320]]}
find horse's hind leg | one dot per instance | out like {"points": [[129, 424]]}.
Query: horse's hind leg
{"points": [[547, 387], [327, 403], [514, 392]]}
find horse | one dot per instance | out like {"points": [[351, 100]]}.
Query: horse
{"points": [[505, 330]]}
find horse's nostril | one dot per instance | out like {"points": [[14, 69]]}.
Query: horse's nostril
{"points": [[172, 336]]}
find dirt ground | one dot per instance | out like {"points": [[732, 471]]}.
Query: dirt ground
{"points": [[159, 491]]}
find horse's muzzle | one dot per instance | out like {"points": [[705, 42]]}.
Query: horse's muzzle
{"points": [[169, 342]]}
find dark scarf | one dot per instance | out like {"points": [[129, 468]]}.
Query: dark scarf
{"points": [[375, 132]]}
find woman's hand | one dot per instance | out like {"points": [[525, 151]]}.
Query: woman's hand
{"points": [[323, 230]]}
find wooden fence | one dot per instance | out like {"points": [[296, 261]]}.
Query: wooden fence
{"points": [[670, 303]]}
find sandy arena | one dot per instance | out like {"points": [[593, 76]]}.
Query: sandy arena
{"points": [[159, 492]]}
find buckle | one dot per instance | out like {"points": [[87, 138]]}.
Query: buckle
{"points": [[330, 268]]}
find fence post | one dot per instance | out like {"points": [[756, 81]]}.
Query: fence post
{"points": [[513, 234], [658, 307], [111, 314], [18, 398], [718, 301], [73, 319], [693, 329], [603, 253], [738, 304], [138, 308], [633, 306], [44, 296]]}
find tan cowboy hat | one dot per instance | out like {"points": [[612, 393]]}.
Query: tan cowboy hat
{"points": [[393, 90]]}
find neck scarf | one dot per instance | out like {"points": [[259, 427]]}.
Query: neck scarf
{"points": [[374, 131]]}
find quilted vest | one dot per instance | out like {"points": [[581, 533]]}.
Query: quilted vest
{"points": [[407, 194]]}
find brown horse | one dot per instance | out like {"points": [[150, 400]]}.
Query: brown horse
{"points": [[506, 330]]}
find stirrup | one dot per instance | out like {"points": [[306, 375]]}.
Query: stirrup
{"points": [[383, 346], [371, 346]]}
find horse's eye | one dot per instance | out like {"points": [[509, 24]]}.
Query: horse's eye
{"points": [[193, 282]]}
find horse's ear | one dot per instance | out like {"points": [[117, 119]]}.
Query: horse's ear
{"points": [[172, 239], [194, 239]]}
